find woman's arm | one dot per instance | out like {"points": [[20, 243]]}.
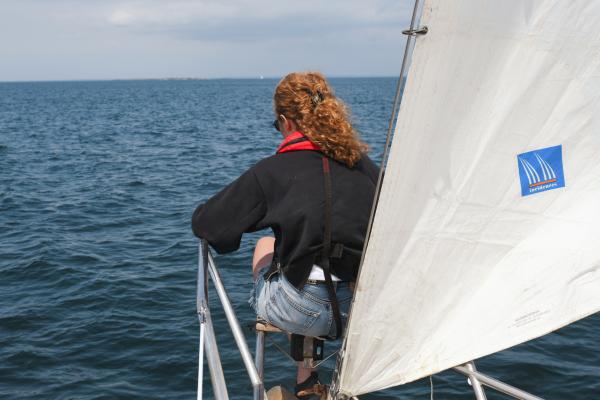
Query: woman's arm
{"points": [[238, 208]]}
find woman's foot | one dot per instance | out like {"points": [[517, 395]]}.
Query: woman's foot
{"points": [[311, 388]]}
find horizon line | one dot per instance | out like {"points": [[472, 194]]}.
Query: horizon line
{"points": [[185, 79]]}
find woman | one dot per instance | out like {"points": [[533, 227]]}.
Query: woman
{"points": [[315, 194]]}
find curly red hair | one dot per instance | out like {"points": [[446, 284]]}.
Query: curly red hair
{"points": [[308, 99]]}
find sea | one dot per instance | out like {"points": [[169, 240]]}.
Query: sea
{"points": [[98, 264]]}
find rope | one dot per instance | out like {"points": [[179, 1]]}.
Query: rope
{"points": [[278, 347], [285, 353], [431, 386]]}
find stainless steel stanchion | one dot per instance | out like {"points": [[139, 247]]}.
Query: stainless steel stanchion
{"points": [[497, 385], [477, 388], [207, 332], [259, 359], [238, 335], [200, 361]]}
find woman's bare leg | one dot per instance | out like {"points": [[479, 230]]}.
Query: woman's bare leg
{"points": [[263, 254], [303, 372]]}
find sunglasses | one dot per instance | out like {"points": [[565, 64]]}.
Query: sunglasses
{"points": [[276, 124]]}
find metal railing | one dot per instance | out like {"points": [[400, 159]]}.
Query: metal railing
{"points": [[206, 267], [478, 379]]}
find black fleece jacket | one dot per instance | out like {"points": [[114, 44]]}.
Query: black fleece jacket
{"points": [[285, 192]]}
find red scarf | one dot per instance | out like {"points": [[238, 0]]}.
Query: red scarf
{"points": [[296, 141]]}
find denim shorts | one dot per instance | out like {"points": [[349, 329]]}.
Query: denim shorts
{"points": [[305, 312]]}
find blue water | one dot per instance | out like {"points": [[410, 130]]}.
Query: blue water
{"points": [[98, 263]]}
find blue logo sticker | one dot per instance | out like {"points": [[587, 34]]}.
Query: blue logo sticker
{"points": [[541, 170]]}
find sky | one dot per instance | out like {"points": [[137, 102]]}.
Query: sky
{"points": [[135, 39]]}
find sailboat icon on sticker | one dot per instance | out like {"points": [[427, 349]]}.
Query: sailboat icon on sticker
{"points": [[541, 170]]}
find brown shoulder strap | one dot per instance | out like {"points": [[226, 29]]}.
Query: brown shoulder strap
{"points": [[335, 307]]}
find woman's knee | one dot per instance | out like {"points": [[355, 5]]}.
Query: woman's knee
{"points": [[265, 242], [263, 252]]}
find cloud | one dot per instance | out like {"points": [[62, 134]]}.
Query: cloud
{"points": [[144, 14], [260, 19], [105, 39]]}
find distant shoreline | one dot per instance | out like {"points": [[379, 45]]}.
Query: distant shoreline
{"points": [[184, 79]]}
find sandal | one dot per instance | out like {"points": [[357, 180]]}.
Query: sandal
{"points": [[311, 388]]}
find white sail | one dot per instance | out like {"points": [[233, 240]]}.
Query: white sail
{"points": [[487, 231]]}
